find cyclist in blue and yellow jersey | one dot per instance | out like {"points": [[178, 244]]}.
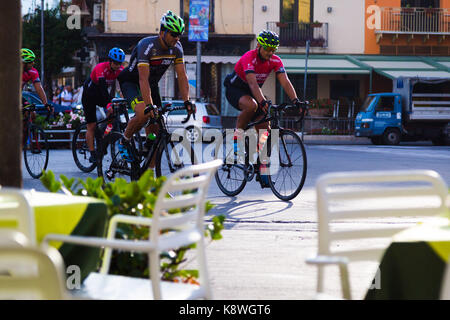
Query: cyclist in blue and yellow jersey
{"points": [[148, 62]]}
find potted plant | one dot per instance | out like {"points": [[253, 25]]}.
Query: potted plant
{"points": [[316, 24]]}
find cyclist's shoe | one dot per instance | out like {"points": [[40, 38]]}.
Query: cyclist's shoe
{"points": [[264, 177], [124, 147], [93, 157]]}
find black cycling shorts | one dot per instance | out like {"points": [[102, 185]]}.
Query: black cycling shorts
{"points": [[132, 93], [91, 98], [234, 94]]}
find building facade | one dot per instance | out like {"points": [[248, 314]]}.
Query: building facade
{"points": [[356, 46]]}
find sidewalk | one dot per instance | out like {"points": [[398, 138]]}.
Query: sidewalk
{"points": [[333, 139]]}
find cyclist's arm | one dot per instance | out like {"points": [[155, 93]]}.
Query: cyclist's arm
{"points": [[40, 92], [183, 83], [254, 87], [144, 85], [287, 85]]}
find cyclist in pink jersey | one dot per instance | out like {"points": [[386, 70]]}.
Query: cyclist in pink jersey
{"points": [[95, 92], [243, 86], [31, 75]]}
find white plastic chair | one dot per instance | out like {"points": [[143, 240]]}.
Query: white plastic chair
{"points": [[44, 278], [15, 208], [190, 227], [379, 194]]}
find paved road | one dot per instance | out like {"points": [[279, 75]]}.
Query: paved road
{"points": [[266, 241]]}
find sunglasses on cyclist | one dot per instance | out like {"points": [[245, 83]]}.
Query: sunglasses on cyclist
{"points": [[269, 49], [175, 34]]}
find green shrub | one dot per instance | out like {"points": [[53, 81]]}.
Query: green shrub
{"points": [[136, 198]]}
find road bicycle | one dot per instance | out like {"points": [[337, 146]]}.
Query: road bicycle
{"points": [[283, 154], [80, 150], [34, 143], [169, 151]]}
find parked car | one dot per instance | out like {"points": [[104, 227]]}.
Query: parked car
{"points": [[33, 98], [206, 117]]}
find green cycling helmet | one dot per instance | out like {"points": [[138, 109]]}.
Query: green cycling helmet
{"points": [[27, 55], [172, 22], [268, 39]]}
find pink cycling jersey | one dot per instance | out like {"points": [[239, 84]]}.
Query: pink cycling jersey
{"points": [[250, 62], [31, 75], [103, 70]]}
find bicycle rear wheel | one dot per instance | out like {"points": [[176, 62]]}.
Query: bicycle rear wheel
{"points": [[35, 151], [288, 172], [231, 177], [80, 150], [110, 164]]}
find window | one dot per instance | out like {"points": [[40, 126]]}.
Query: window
{"points": [[385, 104], [296, 11], [212, 110], [344, 89], [297, 80], [184, 5], [420, 3]]}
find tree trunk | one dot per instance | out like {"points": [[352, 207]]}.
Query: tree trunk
{"points": [[10, 80]]}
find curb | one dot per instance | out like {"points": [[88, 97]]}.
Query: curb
{"points": [[333, 139]]}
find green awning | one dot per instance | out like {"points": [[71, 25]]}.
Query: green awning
{"points": [[406, 66], [323, 64], [389, 66]]}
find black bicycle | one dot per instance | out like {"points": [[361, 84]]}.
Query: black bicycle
{"points": [[168, 151], [34, 144], [283, 156], [80, 150]]}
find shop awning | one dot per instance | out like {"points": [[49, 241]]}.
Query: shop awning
{"points": [[398, 66], [325, 64], [212, 59], [389, 66]]}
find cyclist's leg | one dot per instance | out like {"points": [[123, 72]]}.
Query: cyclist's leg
{"points": [[132, 93], [89, 107], [153, 128], [242, 100]]}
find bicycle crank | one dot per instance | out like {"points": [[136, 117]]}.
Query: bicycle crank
{"points": [[249, 172]]}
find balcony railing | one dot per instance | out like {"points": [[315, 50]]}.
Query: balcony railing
{"points": [[293, 34], [415, 21]]}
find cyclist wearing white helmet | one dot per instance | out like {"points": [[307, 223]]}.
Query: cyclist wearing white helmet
{"points": [[149, 60], [98, 90]]}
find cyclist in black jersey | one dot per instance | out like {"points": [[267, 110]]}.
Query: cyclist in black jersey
{"points": [[148, 62]]}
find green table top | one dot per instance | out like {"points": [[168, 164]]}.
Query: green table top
{"points": [[413, 265]]}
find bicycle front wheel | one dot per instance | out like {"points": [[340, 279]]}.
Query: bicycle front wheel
{"points": [[174, 155], [288, 170], [35, 151], [80, 150]]}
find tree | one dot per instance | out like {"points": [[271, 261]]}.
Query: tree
{"points": [[10, 79], [60, 42]]}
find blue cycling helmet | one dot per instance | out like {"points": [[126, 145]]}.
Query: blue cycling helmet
{"points": [[117, 55]]}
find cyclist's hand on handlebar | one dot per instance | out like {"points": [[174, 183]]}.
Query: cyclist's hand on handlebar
{"points": [[190, 107], [301, 105], [264, 105], [153, 111]]}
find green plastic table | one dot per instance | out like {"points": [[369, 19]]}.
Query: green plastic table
{"points": [[413, 265]]}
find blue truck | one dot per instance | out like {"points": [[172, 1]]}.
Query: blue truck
{"points": [[417, 109]]}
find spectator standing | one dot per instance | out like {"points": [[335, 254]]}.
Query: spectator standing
{"points": [[67, 96]]}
